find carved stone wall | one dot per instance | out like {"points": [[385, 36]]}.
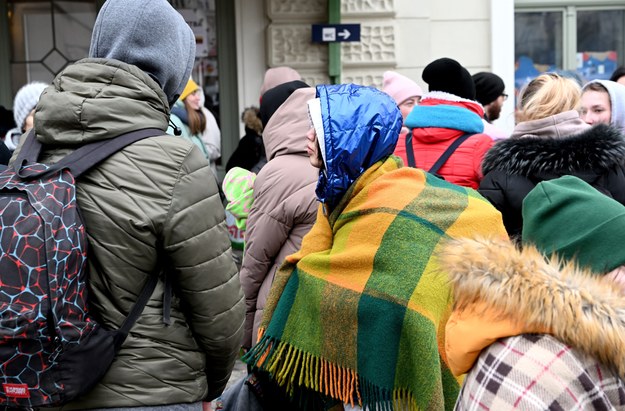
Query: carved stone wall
{"points": [[289, 45], [367, 8], [289, 39], [376, 47], [291, 10]]}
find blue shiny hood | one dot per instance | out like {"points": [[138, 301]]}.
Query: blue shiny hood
{"points": [[361, 126]]}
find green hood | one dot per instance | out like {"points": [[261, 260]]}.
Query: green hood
{"points": [[96, 99]]}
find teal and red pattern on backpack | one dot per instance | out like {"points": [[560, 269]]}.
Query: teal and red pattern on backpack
{"points": [[51, 350], [42, 286]]}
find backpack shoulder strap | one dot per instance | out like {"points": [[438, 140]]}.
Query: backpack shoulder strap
{"points": [[136, 310], [28, 152], [450, 150], [409, 149], [85, 157]]}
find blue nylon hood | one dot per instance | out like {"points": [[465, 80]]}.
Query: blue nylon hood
{"points": [[361, 126]]}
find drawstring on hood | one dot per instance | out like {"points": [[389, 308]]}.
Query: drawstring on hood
{"points": [[149, 34]]}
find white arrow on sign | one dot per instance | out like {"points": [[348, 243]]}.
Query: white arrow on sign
{"points": [[345, 34]]}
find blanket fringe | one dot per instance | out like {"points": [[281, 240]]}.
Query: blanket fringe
{"points": [[291, 368]]}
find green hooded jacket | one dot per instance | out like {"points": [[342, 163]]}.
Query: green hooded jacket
{"points": [[152, 208]]}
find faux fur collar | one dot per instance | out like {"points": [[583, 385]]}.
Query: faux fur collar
{"points": [[582, 311], [598, 148]]}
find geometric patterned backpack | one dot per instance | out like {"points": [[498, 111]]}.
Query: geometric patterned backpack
{"points": [[51, 350]]}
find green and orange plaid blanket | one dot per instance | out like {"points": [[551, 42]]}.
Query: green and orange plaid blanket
{"points": [[359, 313]]}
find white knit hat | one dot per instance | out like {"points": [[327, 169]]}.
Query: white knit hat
{"points": [[25, 101]]}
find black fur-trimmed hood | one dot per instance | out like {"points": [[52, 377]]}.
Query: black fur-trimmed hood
{"points": [[598, 148]]}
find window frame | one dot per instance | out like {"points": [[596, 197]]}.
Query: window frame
{"points": [[569, 9]]}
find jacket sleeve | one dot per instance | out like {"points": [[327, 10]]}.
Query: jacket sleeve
{"points": [[263, 240], [205, 277]]}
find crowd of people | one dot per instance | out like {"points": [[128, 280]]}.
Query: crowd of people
{"points": [[368, 248]]}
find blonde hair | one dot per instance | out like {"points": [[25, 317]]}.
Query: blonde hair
{"points": [[547, 95]]}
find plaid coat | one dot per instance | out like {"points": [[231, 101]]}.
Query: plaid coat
{"points": [[504, 296], [538, 372]]}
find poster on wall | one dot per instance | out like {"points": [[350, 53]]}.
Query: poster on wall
{"points": [[597, 65], [204, 31]]}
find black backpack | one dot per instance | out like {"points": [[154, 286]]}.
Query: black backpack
{"points": [[441, 160], [51, 350]]}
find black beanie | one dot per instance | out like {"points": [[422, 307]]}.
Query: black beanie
{"points": [[448, 75], [274, 97], [488, 87]]}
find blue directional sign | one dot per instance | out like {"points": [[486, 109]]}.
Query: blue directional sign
{"points": [[331, 33]]}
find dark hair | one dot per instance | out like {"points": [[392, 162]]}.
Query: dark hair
{"points": [[618, 73], [596, 87]]}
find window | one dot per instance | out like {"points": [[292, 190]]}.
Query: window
{"points": [[47, 36], [200, 14], [600, 42], [538, 44], [585, 40]]}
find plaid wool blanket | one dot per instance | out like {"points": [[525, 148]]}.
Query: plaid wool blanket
{"points": [[359, 313]]}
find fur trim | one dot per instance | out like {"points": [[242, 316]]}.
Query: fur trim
{"points": [[441, 95], [582, 311], [599, 148], [251, 119]]}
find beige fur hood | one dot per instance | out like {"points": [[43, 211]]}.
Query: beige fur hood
{"points": [[500, 291]]}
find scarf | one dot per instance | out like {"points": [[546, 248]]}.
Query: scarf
{"points": [[445, 116], [359, 313], [443, 110]]}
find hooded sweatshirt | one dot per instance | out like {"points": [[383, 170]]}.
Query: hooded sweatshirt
{"points": [[126, 30], [284, 199], [153, 208], [616, 91], [557, 126]]}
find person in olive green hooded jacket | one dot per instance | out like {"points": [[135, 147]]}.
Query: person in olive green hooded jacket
{"points": [[152, 208]]}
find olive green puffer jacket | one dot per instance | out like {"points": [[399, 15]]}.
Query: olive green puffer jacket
{"points": [[152, 207]]}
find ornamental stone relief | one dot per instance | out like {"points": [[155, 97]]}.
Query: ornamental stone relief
{"points": [[314, 78], [351, 8], [312, 9], [296, 9], [289, 45], [288, 34], [376, 47], [364, 78]]}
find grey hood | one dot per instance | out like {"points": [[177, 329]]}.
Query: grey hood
{"points": [[149, 34], [616, 92]]}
